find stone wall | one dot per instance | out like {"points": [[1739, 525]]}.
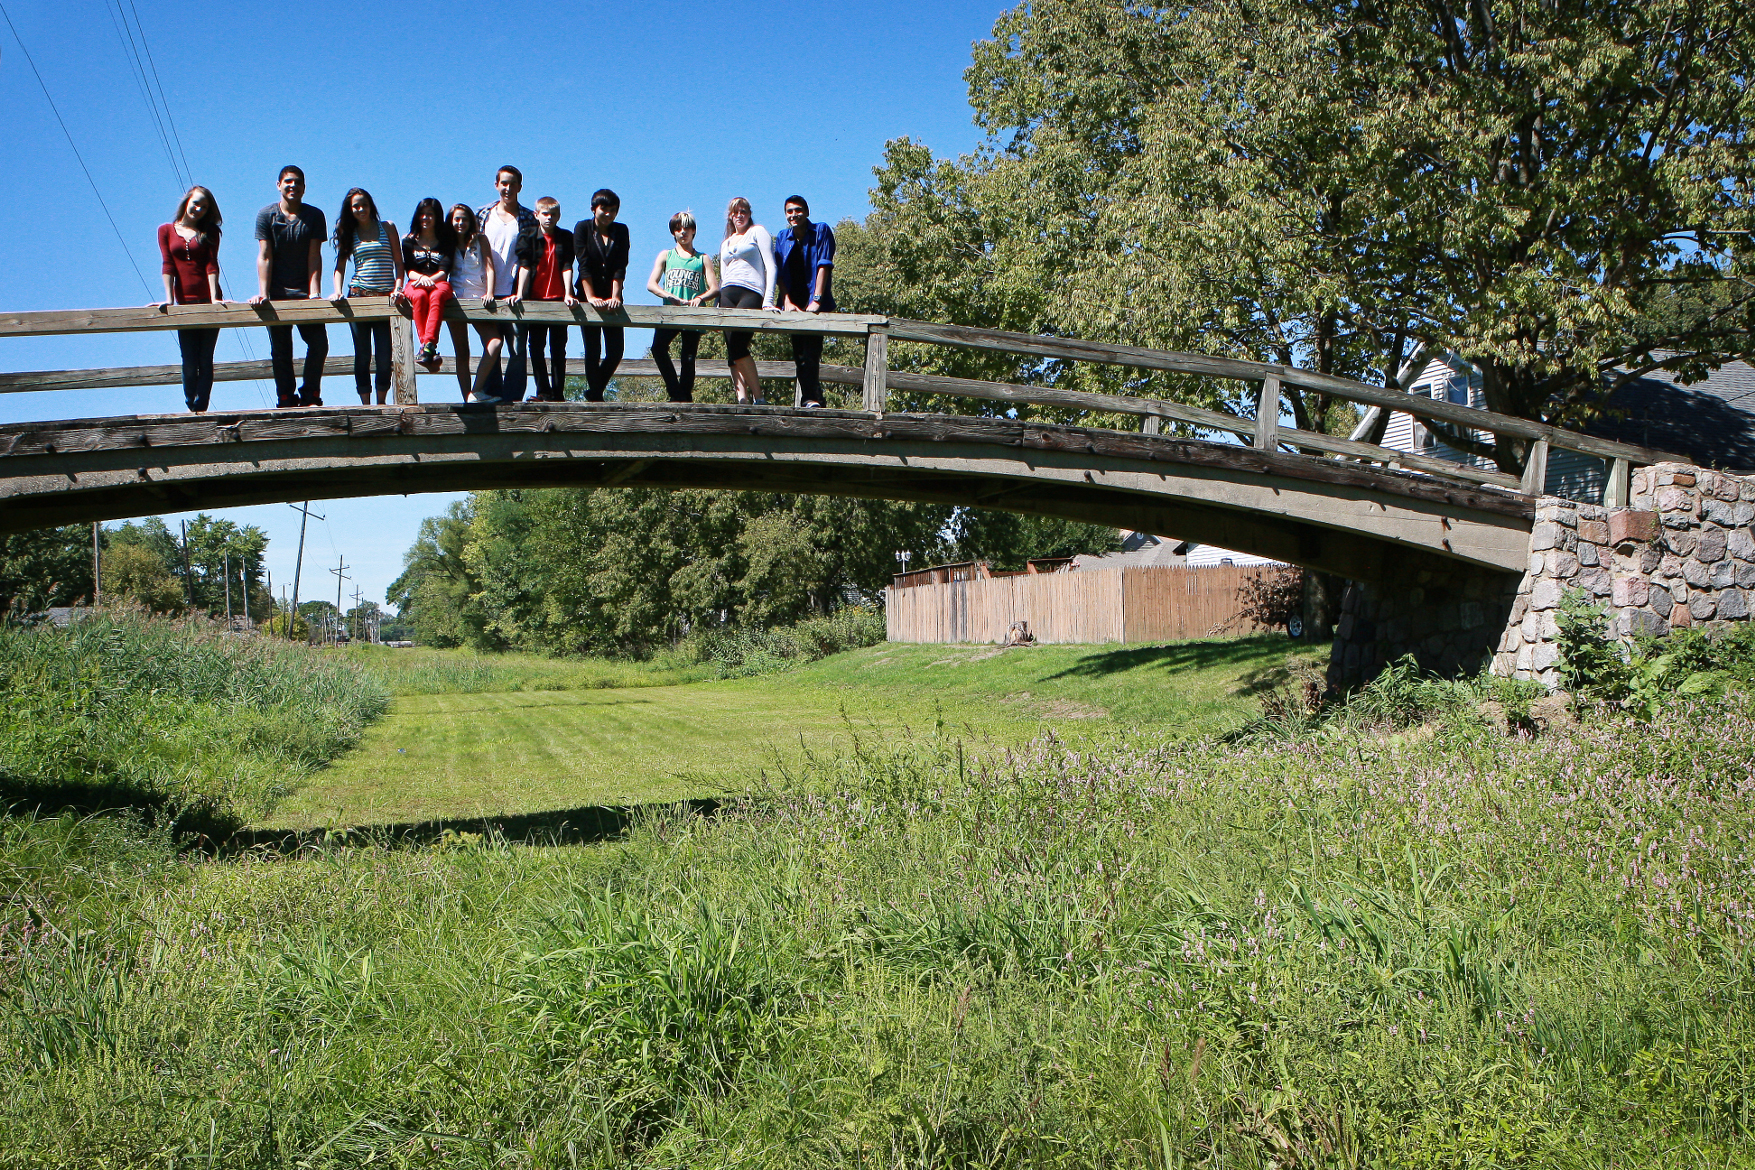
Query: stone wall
{"points": [[1447, 615], [1683, 553]]}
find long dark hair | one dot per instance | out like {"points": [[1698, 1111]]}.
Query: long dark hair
{"points": [[442, 229], [207, 227], [468, 237], [345, 224]]}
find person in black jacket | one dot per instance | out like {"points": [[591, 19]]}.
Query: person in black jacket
{"points": [[545, 260], [603, 270]]}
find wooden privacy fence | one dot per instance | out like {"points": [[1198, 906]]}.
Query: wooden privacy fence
{"points": [[1151, 603], [876, 379]]}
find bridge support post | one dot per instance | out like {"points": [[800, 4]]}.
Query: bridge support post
{"points": [[877, 369], [1267, 416], [402, 351]]}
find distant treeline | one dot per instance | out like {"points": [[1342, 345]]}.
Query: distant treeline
{"points": [[627, 570]]}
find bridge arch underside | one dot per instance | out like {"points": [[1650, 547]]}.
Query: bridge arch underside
{"points": [[1363, 522]]}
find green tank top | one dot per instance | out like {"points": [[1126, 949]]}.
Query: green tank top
{"points": [[685, 277]]}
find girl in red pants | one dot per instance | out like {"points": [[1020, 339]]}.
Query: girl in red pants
{"points": [[427, 254]]}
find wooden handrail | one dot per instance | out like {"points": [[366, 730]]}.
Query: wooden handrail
{"points": [[1220, 367], [236, 315]]}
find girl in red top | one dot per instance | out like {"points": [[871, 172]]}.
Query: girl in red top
{"points": [[189, 246]]}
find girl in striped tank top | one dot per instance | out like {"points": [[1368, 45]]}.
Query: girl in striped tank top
{"points": [[377, 272]]}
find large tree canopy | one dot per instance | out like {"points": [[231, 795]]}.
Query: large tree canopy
{"points": [[1559, 192]]}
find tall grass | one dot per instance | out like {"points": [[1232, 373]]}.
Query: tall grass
{"points": [[1353, 948], [419, 671], [144, 712]]}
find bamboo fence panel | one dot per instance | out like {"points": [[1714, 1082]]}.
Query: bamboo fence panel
{"points": [[1144, 604]]}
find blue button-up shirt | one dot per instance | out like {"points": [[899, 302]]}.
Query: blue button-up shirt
{"points": [[798, 254]]}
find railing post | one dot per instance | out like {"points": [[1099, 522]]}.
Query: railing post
{"points": [[1535, 468], [1619, 486], [877, 369], [1151, 424], [1267, 416], [402, 352]]}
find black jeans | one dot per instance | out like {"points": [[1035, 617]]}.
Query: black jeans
{"points": [[680, 389], [369, 335], [603, 353], [807, 355], [551, 374], [197, 346], [280, 355], [736, 296], [507, 382]]}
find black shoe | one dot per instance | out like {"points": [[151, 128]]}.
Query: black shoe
{"points": [[287, 403], [307, 399]]}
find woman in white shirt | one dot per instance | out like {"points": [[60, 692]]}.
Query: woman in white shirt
{"points": [[746, 281], [472, 277]]}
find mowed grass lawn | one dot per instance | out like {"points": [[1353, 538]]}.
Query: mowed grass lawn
{"points": [[449, 756]]}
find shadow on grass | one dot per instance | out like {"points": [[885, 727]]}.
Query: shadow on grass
{"points": [[225, 836], [587, 825], [1179, 656]]}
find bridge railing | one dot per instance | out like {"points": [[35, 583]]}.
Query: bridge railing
{"points": [[875, 378]]}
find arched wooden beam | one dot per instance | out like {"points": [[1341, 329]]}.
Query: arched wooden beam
{"points": [[1341, 517]]}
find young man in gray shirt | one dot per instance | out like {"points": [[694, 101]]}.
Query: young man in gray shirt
{"points": [[289, 267]]}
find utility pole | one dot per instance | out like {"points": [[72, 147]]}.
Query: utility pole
{"points": [[304, 511], [359, 626], [226, 568], [188, 577], [244, 588], [97, 581], [340, 576]]}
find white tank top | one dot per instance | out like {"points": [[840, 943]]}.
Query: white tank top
{"points": [[469, 271]]}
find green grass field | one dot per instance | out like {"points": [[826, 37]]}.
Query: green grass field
{"points": [[554, 735]]}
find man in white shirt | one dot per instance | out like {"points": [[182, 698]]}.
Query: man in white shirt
{"points": [[501, 221]]}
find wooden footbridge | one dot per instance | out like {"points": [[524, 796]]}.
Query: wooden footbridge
{"points": [[1347, 507]]}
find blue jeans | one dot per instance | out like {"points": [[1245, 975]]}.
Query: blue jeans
{"points": [[197, 346], [516, 351]]}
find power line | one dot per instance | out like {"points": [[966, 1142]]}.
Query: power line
{"points": [[188, 171], [118, 19], [126, 251]]}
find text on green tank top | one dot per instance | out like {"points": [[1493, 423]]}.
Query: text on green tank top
{"points": [[685, 277]]}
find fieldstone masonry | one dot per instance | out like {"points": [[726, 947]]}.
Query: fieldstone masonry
{"points": [[1447, 615], [1682, 554]]}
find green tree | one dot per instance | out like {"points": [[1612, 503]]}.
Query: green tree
{"points": [[1345, 188], [432, 595], [45, 567], [135, 572]]}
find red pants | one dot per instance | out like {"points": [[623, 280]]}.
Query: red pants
{"points": [[429, 309]]}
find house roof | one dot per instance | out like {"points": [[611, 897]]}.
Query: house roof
{"points": [[1712, 422]]}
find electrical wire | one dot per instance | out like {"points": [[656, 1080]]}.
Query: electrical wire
{"points": [[126, 251], [130, 50], [187, 169]]}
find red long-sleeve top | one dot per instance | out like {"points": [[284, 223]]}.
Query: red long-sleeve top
{"points": [[188, 263]]}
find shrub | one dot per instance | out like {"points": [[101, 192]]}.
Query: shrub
{"points": [[742, 651]]}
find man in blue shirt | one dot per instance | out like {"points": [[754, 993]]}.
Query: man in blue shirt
{"points": [[804, 261]]}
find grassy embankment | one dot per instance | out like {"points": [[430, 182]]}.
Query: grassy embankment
{"points": [[1338, 945], [471, 736]]}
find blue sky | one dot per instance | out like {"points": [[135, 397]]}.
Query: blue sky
{"points": [[671, 104]]}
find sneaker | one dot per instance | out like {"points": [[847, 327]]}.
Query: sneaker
{"points": [[760, 402], [286, 403], [306, 399], [484, 400], [813, 406]]}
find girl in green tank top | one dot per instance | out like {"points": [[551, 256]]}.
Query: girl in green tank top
{"points": [[681, 276]]}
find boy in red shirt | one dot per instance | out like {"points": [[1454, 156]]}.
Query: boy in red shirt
{"points": [[545, 262]]}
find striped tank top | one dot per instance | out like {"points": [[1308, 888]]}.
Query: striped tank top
{"points": [[374, 272]]}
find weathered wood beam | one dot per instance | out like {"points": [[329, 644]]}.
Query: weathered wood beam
{"points": [[1217, 367], [233, 315]]}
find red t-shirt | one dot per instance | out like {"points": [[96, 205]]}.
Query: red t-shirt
{"points": [[187, 263], [547, 283]]}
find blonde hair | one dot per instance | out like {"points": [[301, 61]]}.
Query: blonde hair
{"points": [[739, 203], [548, 201]]}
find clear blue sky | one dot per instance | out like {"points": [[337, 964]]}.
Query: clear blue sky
{"points": [[671, 104]]}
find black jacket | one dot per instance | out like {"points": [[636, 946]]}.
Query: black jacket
{"points": [[598, 264], [532, 245]]}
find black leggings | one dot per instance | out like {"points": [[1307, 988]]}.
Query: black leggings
{"points": [[736, 296], [369, 335], [197, 346], [607, 341], [680, 389], [548, 360]]}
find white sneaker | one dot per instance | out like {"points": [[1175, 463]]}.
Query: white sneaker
{"points": [[485, 400]]}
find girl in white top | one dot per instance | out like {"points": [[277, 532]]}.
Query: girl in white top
{"points": [[746, 281], [472, 277]]}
